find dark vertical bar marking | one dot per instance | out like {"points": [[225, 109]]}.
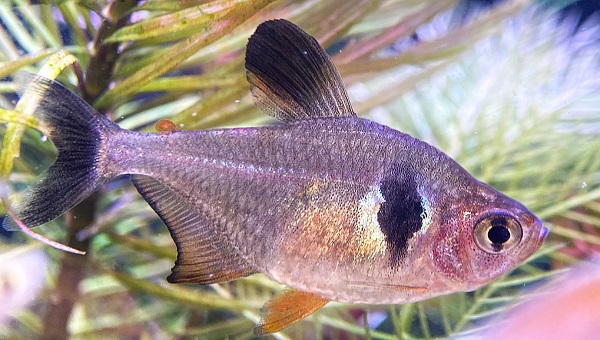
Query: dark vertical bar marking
{"points": [[400, 216]]}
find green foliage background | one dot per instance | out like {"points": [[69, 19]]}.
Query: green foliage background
{"points": [[509, 94]]}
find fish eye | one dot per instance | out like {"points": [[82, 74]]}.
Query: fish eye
{"points": [[497, 233]]}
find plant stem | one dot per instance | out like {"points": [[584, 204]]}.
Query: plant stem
{"points": [[104, 56]]}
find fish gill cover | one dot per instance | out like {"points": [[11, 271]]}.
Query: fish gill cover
{"points": [[512, 95]]}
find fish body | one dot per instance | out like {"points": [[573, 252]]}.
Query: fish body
{"points": [[332, 205], [302, 202]]}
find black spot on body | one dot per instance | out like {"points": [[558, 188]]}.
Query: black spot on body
{"points": [[400, 216]]}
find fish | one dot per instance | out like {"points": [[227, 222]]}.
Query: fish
{"points": [[333, 206]]}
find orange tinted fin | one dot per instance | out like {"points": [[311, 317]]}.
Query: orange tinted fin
{"points": [[165, 125], [286, 308], [202, 256]]}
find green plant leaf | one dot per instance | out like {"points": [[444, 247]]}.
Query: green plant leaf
{"points": [[181, 51], [178, 24]]}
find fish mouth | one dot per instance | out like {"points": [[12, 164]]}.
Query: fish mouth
{"points": [[544, 232], [542, 236], [536, 241]]}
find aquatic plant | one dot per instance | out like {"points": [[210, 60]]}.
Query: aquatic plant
{"points": [[512, 94]]}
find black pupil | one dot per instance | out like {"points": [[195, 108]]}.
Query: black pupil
{"points": [[498, 234]]}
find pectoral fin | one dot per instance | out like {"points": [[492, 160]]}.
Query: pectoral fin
{"points": [[286, 308]]}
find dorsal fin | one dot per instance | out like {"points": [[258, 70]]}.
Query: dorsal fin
{"points": [[291, 76], [201, 256]]}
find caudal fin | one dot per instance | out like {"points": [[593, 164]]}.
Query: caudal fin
{"points": [[78, 132]]}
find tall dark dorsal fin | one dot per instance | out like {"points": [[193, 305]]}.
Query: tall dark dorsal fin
{"points": [[291, 77], [201, 256]]}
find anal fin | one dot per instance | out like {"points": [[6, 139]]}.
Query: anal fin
{"points": [[202, 256], [286, 308]]}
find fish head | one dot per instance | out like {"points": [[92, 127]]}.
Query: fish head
{"points": [[483, 234]]}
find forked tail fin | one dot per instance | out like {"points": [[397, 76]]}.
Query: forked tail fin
{"points": [[78, 132]]}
